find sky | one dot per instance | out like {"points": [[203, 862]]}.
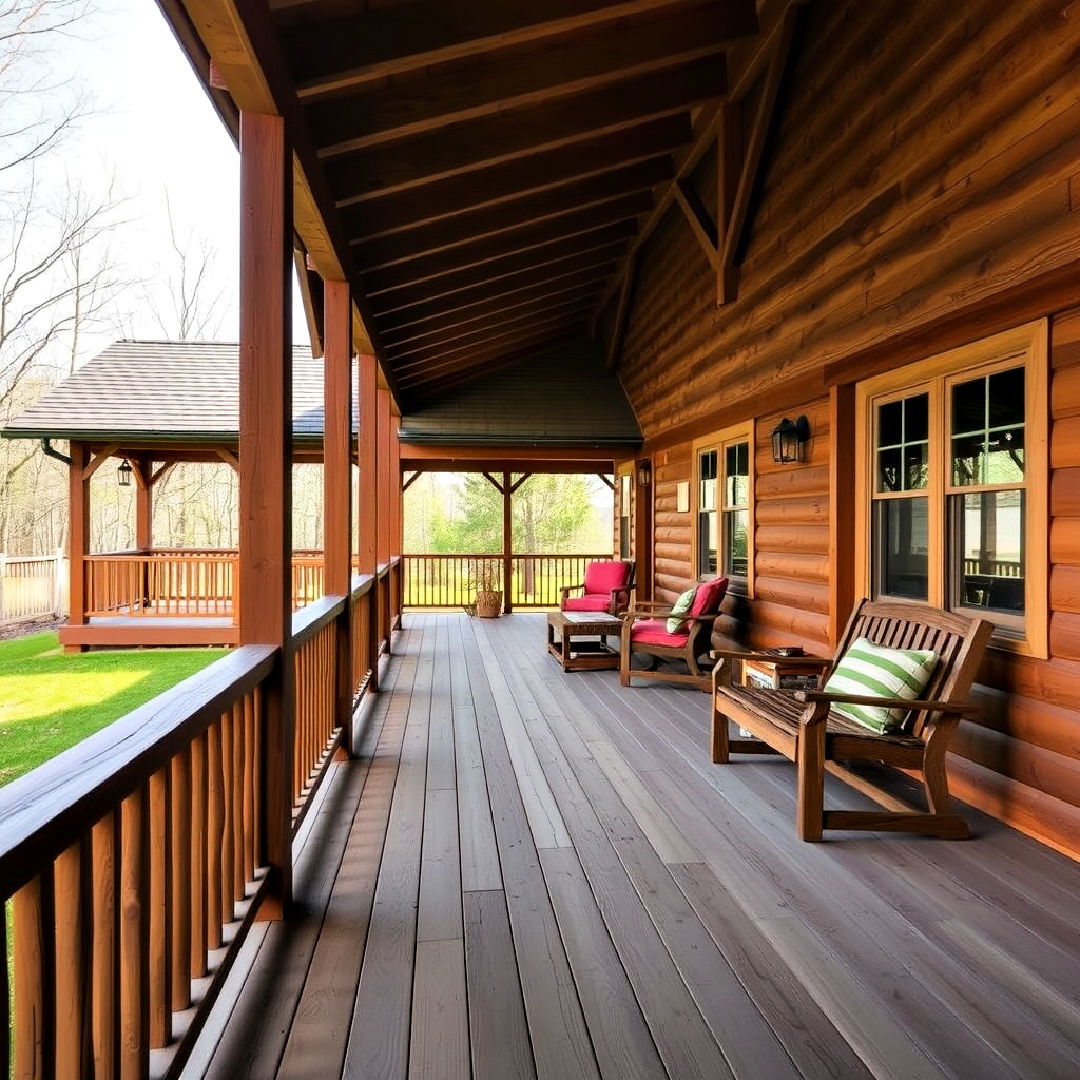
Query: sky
{"points": [[154, 131]]}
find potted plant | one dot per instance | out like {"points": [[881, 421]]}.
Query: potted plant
{"points": [[485, 578]]}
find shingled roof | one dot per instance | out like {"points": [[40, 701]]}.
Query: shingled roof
{"points": [[186, 392], [565, 396]]}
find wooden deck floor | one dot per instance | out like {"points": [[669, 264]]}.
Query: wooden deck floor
{"points": [[537, 874]]}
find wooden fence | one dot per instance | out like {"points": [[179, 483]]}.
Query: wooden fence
{"points": [[136, 860], [32, 586], [438, 581]]}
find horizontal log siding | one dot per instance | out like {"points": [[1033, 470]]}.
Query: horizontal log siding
{"points": [[921, 165]]}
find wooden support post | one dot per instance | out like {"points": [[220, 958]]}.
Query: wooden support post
{"points": [[144, 504], [368, 452], [841, 509], [397, 531], [508, 544], [643, 531], [78, 536], [265, 560], [385, 517], [337, 486]]}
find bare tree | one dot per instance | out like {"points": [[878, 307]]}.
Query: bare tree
{"points": [[189, 311]]}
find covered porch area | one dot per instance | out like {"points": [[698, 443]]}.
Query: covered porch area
{"points": [[532, 874]]}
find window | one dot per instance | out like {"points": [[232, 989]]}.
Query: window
{"points": [[626, 487], [722, 537], [954, 483]]}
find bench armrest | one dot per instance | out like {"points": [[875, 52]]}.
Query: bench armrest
{"points": [[917, 705], [565, 590], [646, 613], [649, 605]]}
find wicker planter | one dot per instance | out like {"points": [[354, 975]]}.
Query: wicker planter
{"points": [[489, 604]]}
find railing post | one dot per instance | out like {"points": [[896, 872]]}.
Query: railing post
{"points": [[78, 536], [367, 448], [265, 467], [337, 488], [508, 545]]}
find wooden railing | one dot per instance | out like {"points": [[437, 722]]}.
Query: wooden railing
{"points": [[136, 860], [32, 586], [1008, 568], [182, 583], [451, 580]]}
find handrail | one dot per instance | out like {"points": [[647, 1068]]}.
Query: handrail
{"points": [[309, 620], [47, 810]]}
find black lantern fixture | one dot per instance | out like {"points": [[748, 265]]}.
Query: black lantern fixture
{"points": [[788, 439], [123, 473], [644, 473]]}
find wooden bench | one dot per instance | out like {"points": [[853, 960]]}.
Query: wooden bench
{"points": [[803, 726]]}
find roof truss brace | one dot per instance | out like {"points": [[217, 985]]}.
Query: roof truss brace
{"points": [[622, 311], [610, 481], [511, 488], [99, 459], [160, 471], [736, 196], [519, 481], [408, 483], [229, 457]]}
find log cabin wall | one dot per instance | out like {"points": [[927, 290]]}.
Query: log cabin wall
{"points": [[922, 190]]}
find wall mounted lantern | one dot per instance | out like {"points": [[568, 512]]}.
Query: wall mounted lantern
{"points": [[788, 439], [644, 473], [123, 473]]}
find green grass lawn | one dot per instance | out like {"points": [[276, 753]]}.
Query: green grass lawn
{"points": [[49, 701]]}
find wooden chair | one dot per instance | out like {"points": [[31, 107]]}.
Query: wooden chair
{"points": [[607, 587], [644, 630], [803, 727]]}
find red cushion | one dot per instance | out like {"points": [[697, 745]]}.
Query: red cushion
{"points": [[602, 577], [709, 596], [587, 603], [654, 632]]}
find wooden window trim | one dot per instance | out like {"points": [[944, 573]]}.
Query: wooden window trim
{"points": [[719, 441], [1029, 345], [625, 469]]}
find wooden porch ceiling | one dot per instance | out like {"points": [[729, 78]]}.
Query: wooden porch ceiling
{"points": [[488, 163]]}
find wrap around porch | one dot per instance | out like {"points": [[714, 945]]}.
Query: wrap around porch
{"points": [[526, 873]]}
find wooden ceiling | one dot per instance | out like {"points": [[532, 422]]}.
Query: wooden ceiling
{"points": [[491, 162]]}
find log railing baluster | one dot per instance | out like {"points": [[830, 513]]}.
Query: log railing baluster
{"points": [[35, 1018], [180, 955], [134, 936], [105, 979], [160, 907], [71, 950], [215, 819]]}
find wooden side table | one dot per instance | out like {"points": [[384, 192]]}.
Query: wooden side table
{"points": [[583, 655], [783, 673]]}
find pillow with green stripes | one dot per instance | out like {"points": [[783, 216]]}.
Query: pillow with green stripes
{"points": [[675, 625], [870, 670]]}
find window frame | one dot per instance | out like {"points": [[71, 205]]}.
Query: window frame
{"points": [[720, 441], [624, 482], [1026, 346]]}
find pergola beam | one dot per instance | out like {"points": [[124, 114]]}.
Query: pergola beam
{"points": [[333, 55]]}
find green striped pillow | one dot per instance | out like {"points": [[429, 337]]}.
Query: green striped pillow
{"points": [[675, 625], [870, 670]]}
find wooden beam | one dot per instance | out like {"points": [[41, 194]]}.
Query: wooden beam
{"points": [[498, 313], [351, 50], [78, 534], [265, 381], [698, 217], [310, 284], [496, 351], [729, 156], [506, 217], [622, 314], [535, 237], [384, 478], [412, 479], [510, 266], [144, 503], [842, 455], [368, 499], [584, 269], [508, 543], [437, 355], [376, 213], [568, 304], [516, 80], [99, 459], [737, 224], [523, 133]]}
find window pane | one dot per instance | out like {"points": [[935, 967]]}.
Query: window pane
{"points": [[917, 418], [1004, 462], [890, 476], [901, 542], [707, 543], [707, 480], [902, 444], [737, 542], [969, 406], [891, 424], [990, 542], [737, 475], [1006, 398]]}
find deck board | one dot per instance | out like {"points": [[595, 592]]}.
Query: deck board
{"points": [[528, 874]]}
